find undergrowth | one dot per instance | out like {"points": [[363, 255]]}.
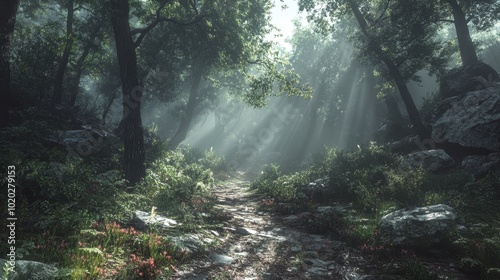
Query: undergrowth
{"points": [[75, 210], [374, 182]]}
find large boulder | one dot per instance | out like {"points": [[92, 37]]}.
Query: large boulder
{"points": [[479, 166], [467, 78], [82, 141], [431, 160], [471, 120], [30, 270], [420, 227]]}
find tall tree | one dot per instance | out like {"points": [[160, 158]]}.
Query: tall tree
{"points": [[225, 40], [401, 45], [467, 49], [132, 90], [231, 39], [463, 14], [63, 62], [8, 11], [89, 41], [133, 161]]}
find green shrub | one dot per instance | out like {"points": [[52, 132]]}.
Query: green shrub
{"points": [[174, 181]]}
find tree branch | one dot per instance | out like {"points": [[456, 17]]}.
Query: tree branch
{"points": [[152, 25], [144, 31], [383, 12], [445, 20]]}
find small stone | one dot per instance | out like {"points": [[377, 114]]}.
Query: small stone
{"points": [[290, 220], [318, 271], [246, 231], [317, 262], [269, 276], [222, 259], [295, 249]]}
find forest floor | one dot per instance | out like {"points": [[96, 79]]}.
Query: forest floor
{"points": [[258, 245]]}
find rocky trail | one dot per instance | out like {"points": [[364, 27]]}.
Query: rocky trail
{"points": [[258, 245]]}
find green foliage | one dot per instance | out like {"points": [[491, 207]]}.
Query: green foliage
{"points": [[415, 270], [428, 108], [481, 255], [177, 179], [34, 44]]}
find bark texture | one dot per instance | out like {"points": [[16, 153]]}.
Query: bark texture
{"points": [[467, 49], [133, 132]]}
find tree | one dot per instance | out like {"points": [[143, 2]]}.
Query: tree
{"points": [[225, 40], [132, 90], [229, 42], [402, 45], [89, 39], [133, 161], [8, 11], [482, 13], [63, 62]]}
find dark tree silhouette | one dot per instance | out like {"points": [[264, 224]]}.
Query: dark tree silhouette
{"points": [[8, 11], [133, 134]]}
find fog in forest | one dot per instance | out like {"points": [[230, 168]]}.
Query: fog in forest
{"points": [[250, 139]]}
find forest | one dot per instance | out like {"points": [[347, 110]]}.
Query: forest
{"points": [[257, 139]]}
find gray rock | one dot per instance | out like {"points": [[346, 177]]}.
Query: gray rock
{"points": [[423, 226], [295, 249], [246, 231], [316, 188], [317, 262], [31, 270], [81, 141], [471, 120], [222, 259], [318, 271], [190, 243], [291, 220], [144, 219], [466, 78], [431, 160], [330, 209], [481, 165], [270, 276]]}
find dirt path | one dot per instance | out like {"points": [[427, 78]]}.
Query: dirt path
{"points": [[260, 246]]}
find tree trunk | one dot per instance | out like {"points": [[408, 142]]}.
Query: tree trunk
{"points": [[133, 138], [181, 133], [467, 49], [107, 107], [75, 84], [413, 113], [392, 108], [8, 11], [63, 63]]}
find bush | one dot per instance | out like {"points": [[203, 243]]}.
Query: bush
{"points": [[174, 181]]}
